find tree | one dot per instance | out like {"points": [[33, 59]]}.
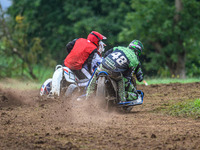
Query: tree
{"points": [[55, 23], [18, 52], [58, 22], [169, 30]]}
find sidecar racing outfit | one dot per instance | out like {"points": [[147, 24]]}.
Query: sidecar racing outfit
{"points": [[84, 55], [120, 63]]}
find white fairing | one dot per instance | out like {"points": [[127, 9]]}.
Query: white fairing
{"points": [[69, 75], [46, 87], [57, 77]]}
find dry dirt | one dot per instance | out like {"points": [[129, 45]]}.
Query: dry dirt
{"points": [[28, 121]]}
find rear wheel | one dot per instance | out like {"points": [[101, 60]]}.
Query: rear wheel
{"points": [[71, 91], [101, 92]]}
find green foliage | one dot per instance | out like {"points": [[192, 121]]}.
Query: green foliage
{"points": [[186, 109], [58, 22], [24, 51], [40, 29], [164, 39], [193, 60], [20, 53], [43, 73]]}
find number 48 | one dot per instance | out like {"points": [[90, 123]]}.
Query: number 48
{"points": [[119, 59]]}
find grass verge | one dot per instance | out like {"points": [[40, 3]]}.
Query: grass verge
{"points": [[169, 80], [19, 84], [189, 108]]}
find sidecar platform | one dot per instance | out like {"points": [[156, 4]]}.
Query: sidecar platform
{"points": [[139, 101]]}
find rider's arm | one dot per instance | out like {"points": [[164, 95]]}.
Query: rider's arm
{"points": [[134, 71], [108, 52], [70, 45], [96, 61], [89, 59], [139, 73]]}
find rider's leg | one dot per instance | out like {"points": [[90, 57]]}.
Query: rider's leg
{"points": [[131, 96], [83, 76], [92, 84], [131, 93], [121, 88]]}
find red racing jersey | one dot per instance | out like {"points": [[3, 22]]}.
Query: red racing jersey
{"points": [[79, 54]]}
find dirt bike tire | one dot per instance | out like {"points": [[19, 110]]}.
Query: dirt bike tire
{"points": [[101, 91], [127, 109], [70, 90]]}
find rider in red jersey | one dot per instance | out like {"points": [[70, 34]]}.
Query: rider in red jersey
{"points": [[84, 55]]}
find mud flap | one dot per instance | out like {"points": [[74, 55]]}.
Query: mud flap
{"points": [[139, 101], [57, 77]]}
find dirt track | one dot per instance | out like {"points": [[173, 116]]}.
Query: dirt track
{"points": [[29, 122]]}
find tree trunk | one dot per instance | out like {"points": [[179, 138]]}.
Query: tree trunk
{"points": [[180, 65], [179, 7]]}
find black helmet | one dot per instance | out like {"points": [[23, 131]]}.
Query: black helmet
{"points": [[137, 46]]}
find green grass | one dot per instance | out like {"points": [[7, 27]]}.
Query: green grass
{"points": [[19, 84], [170, 80], [43, 73], [48, 73], [25, 82], [190, 108]]}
